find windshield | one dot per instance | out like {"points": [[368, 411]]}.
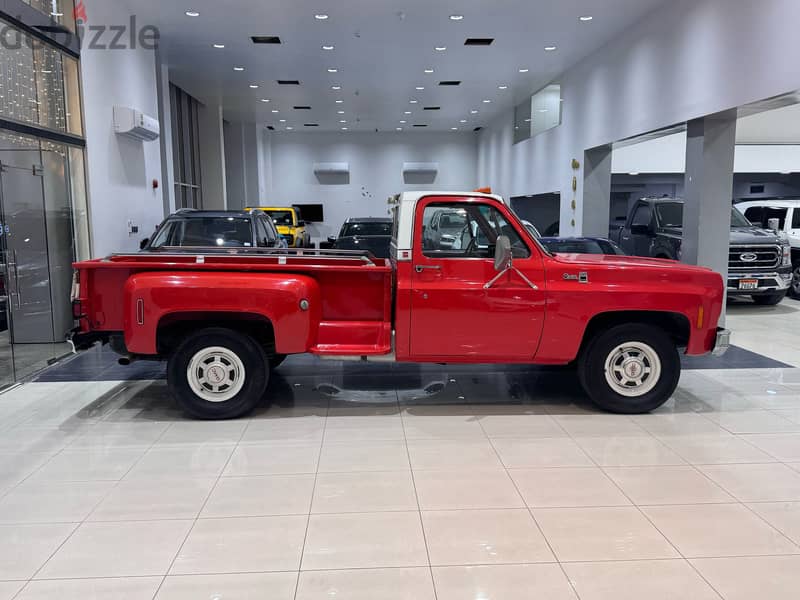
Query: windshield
{"points": [[453, 221], [738, 219], [282, 218], [366, 228], [227, 232], [670, 214]]}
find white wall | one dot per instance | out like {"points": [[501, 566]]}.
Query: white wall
{"points": [[687, 59], [376, 164], [120, 170]]}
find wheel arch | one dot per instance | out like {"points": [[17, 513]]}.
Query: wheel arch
{"points": [[676, 325], [174, 326]]}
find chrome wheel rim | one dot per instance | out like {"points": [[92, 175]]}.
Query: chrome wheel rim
{"points": [[216, 374], [633, 369]]}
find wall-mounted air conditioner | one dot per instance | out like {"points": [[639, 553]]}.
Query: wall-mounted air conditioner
{"points": [[420, 168], [332, 168], [135, 124]]}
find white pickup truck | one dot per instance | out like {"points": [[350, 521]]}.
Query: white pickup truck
{"points": [[787, 212]]}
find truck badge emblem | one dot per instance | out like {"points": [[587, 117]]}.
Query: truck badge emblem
{"points": [[748, 257], [582, 277]]}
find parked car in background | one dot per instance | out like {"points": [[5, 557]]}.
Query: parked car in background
{"points": [[291, 227], [581, 245], [366, 233], [444, 228], [190, 228], [787, 212], [759, 261]]}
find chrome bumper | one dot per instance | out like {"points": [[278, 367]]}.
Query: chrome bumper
{"points": [[768, 282], [722, 343]]}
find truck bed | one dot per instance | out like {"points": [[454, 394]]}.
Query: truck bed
{"points": [[355, 290]]}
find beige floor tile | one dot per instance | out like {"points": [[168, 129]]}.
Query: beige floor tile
{"points": [[98, 464], [545, 452], [364, 456], [715, 530], [242, 545], [9, 589], [504, 582], [260, 496], [593, 534], [52, 502], [152, 500], [684, 423], [25, 548], [629, 451], [482, 537], [241, 586], [367, 584], [189, 462], [272, 459], [717, 449], [773, 577], [785, 447], [666, 485], [783, 516], [299, 430], [599, 424], [131, 588], [479, 488], [754, 421], [125, 549], [202, 432], [364, 492], [756, 483], [637, 580], [389, 429], [367, 540], [452, 454], [442, 427], [521, 426], [558, 488]]}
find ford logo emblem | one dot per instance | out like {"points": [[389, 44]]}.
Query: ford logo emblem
{"points": [[748, 257]]}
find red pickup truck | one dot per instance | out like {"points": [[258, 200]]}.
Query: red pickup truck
{"points": [[488, 292]]}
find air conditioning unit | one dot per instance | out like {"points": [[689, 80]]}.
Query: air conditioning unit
{"points": [[135, 124], [332, 168], [420, 168]]}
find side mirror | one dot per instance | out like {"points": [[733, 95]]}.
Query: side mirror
{"points": [[331, 239], [143, 243], [301, 223], [503, 256], [774, 225], [640, 230]]}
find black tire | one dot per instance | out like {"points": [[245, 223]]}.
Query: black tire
{"points": [[794, 289], [769, 299], [276, 360], [592, 368], [254, 367]]}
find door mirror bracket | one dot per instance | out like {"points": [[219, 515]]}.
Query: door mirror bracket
{"points": [[504, 262]]}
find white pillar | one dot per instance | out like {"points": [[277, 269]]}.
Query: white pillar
{"points": [[596, 203], [212, 157]]}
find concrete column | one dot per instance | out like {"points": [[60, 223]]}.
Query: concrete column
{"points": [[242, 165], [212, 157], [596, 203], [165, 120]]}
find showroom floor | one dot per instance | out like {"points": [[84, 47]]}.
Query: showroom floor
{"points": [[409, 483]]}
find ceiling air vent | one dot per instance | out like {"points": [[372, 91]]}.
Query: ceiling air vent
{"points": [[449, 83], [477, 129], [270, 127], [433, 108], [420, 125], [266, 39], [310, 124], [479, 42], [288, 82], [302, 108]]}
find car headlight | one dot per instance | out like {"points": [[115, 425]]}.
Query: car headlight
{"points": [[786, 251]]}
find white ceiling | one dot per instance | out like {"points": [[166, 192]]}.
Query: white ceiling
{"points": [[381, 51]]}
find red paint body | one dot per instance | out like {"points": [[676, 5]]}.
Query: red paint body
{"points": [[438, 315]]}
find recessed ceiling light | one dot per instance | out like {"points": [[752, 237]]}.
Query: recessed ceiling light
{"points": [[454, 129], [275, 110], [429, 71], [502, 87], [634, 173], [289, 127], [265, 99], [344, 128], [253, 86], [332, 70], [321, 17], [586, 18], [238, 68], [327, 47], [550, 48], [399, 128], [440, 48], [406, 112], [336, 87], [219, 46], [339, 112], [542, 110], [420, 88], [487, 101], [456, 17], [404, 121], [523, 70], [339, 101], [343, 121], [412, 101], [463, 121], [192, 13], [473, 112], [282, 120], [528, 120]]}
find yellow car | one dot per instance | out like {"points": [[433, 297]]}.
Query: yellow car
{"points": [[290, 226]]}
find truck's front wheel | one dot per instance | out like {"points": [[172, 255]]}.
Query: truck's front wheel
{"points": [[218, 373], [630, 369]]}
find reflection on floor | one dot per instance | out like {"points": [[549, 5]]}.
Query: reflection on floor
{"points": [[26, 359], [422, 482]]}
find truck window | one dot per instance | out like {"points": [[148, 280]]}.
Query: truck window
{"points": [[264, 237], [796, 217], [469, 231], [642, 216], [753, 214], [775, 213]]}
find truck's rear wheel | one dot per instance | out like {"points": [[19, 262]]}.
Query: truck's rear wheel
{"points": [[218, 373], [630, 369]]}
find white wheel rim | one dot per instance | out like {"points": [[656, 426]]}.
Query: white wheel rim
{"points": [[632, 369], [215, 374]]}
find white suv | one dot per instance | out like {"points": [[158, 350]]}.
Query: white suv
{"points": [[788, 214]]}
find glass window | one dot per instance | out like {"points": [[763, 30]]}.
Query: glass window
{"points": [[753, 214], [775, 213], [198, 232], [185, 148], [18, 99], [50, 87], [266, 238], [466, 231], [644, 216], [72, 95], [282, 218], [366, 228], [738, 219], [796, 218]]}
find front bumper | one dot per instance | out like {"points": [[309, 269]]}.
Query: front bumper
{"points": [[722, 343], [775, 281]]}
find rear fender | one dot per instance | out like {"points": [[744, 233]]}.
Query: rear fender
{"points": [[153, 298]]}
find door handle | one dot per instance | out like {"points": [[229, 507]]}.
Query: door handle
{"points": [[421, 268]]}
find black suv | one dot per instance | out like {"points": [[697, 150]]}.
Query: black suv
{"points": [[189, 228], [759, 261]]}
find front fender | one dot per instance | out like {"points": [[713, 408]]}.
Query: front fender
{"points": [[150, 297]]}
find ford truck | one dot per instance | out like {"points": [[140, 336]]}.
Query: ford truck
{"points": [[224, 320]]}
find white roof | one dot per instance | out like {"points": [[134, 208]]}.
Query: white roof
{"points": [[790, 203]]}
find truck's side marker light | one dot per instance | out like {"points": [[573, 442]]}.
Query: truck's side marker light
{"points": [[140, 311], [700, 315]]}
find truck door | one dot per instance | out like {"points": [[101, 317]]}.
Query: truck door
{"points": [[455, 314], [637, 237]]}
